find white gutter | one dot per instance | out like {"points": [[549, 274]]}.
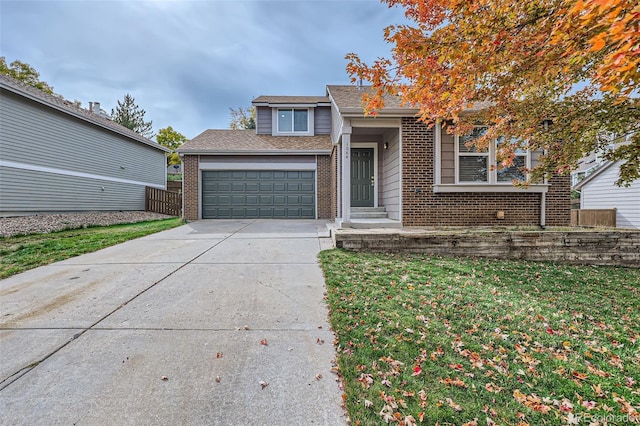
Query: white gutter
{"points": [[257, 152]]}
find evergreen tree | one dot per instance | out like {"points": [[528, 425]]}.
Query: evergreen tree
{"points": [[128, 114]]}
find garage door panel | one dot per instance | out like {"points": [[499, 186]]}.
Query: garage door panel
{"points": [[266, 200], [279, 200], [250, 194]]}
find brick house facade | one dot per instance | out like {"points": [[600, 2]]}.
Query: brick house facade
{"points": [[321, 158]]}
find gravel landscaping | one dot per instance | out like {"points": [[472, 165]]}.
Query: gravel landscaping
{"points": [[44, 223]]}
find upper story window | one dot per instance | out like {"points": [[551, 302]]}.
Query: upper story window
{"points": [[480, 166], [293, 120]]}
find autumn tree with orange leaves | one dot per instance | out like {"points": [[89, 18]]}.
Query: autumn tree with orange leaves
{"points": [[555, 75]]}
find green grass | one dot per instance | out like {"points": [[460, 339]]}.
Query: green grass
{"points": [[459, 341], [20, 253]]}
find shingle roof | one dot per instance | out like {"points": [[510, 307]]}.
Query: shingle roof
{"points": [[291, 99], [349, 100], [67, 107], [247, 141]]}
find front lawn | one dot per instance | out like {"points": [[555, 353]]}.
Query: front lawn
{"points": [[425, 340], [20, 253]]}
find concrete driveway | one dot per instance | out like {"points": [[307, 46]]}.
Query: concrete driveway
{"points": [[211, 323]]}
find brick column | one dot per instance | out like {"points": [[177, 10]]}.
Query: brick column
{"points": [[191, 187]]}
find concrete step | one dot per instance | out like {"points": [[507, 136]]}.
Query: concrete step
{"points": [[371, 223], [368, 215], [368, 209]]}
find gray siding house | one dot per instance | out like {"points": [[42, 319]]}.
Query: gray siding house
{"points": [[58, 157]]}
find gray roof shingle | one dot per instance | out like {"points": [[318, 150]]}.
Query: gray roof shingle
{"points": [[349, 100], [61, 104], [247, 141]]}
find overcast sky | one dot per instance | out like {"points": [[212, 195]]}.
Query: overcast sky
{"points": [[187, 62]]}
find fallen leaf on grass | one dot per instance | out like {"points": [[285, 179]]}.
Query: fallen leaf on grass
{"points": [[453, 405], [492, 387], [368, 403]]}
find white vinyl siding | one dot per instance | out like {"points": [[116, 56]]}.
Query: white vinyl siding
{"points": [[602, 193], [391, 178]]}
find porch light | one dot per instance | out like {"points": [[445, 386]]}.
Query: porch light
{"points": [[386, 145]]}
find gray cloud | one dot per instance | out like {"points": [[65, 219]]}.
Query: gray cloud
{"points": [[187, 62]]}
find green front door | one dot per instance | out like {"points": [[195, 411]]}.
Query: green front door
{"points": [[362, 177]]}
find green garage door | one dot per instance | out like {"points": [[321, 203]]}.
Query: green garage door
{"points": [[252, 194]]}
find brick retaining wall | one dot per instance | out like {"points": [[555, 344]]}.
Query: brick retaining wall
{"points": [[620, 248]]}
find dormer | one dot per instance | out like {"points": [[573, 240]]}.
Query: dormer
{"points": [[293, 115]]}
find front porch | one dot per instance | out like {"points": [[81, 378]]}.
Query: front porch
{"points": [[369, 174]]}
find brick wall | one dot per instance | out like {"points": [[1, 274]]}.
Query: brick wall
{"points": [[191, 189], [325, 181], [558, 211], [426, 208]]}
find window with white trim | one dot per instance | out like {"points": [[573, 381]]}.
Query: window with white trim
{"points": [[475, 166], [293, 120]]}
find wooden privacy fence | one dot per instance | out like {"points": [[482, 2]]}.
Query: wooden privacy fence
{"points": [[174, 186], [589, 217], [161, 201]]}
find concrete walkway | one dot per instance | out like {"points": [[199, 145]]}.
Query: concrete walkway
{"points": [[211, 323]]}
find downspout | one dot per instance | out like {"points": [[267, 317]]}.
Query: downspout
{"points": [[543, 209]]}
